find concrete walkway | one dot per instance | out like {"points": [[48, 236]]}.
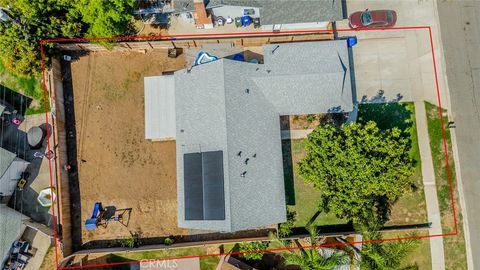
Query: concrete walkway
{"points": [[295, 134], [433, 211]]}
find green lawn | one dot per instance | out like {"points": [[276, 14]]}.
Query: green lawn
{"points": [[206, 263], [304, 200], [454, 246], [301, 197], [421, 256], [30, 87]]}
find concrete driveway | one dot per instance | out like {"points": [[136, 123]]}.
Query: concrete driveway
{"points": [[396, 65]]}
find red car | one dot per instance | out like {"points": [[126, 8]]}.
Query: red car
{"points": [[372, 18]]}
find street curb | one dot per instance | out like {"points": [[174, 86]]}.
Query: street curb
{"points": [[453, 136]]}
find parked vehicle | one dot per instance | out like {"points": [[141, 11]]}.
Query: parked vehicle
{"points": [[372, 18]]}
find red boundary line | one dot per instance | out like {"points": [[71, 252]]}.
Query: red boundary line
{"points": [[237, 34]]}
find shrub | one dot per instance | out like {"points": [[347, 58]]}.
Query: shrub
{"points": [[285, 229], [168, 241], [128, 242], [248, 250]]}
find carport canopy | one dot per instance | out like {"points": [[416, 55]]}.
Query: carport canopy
{"points": [[160, 108]]}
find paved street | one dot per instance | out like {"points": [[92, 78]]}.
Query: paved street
{"points": [[460, 27]]}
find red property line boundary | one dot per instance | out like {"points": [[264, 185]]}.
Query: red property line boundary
{"points": [[238, 34]]}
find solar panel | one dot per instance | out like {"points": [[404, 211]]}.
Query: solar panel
{"points": [[193, 186], [204, 186], [213, 195]]}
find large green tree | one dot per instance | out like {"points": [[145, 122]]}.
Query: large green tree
{"points": [[33, 20], [30, 21], [106, 18], [359, 169]]}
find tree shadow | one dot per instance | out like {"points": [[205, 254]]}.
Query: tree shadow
{"points": [[380, 98], [313, 218], [386, 115]]}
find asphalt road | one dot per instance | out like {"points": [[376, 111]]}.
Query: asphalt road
{"points": [[460, 30]]}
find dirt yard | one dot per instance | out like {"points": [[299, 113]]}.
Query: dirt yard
{"points": [[117, 165]]}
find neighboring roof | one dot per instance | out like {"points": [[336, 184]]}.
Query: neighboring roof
{"points": [[183, 6], [2, 108], [234, 107], [11, 228], [285, 12], [6, 159], [160, 107]]}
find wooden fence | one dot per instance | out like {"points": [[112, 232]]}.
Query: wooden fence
{"points": [[241, 41]]}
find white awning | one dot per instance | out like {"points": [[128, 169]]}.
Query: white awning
{"points": [[160, 108]]}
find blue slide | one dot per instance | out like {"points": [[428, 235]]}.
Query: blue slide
{"points": [[91, 223]]}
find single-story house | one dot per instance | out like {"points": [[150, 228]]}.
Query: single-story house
{"points": [[225, 118], [11, 227], [273, 14], [11, 169], [281, 14]]}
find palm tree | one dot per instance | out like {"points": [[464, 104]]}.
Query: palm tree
{"points": [[312, 257], [386, 255]]}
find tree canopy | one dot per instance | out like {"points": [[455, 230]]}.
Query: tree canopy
{"points": [[359, 169], [33, 20], [30, 21], [106, 18]]}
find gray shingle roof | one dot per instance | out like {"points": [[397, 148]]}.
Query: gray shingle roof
{"points": [[307, 78], [288, 11], [215, 112], [11, 228], [6, 158]]}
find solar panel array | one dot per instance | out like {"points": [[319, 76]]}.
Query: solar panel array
{"points": [[204, 186]]}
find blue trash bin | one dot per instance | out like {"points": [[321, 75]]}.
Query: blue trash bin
{"points": [[351, 41]]}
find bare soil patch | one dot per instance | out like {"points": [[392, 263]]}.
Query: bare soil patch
{"points": [[117, 165]]}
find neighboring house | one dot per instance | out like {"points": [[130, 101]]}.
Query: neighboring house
{"points": [[273, 14], [11, 169], [225, 118], [11, 228], [281, 14]]}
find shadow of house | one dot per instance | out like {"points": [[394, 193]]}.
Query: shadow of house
{"points": [[288, 174]]}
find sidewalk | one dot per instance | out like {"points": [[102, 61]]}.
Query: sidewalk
{"points": [[436, 243], [295, 134]]}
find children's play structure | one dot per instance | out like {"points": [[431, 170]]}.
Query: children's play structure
{"points": [[102, 216]]}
